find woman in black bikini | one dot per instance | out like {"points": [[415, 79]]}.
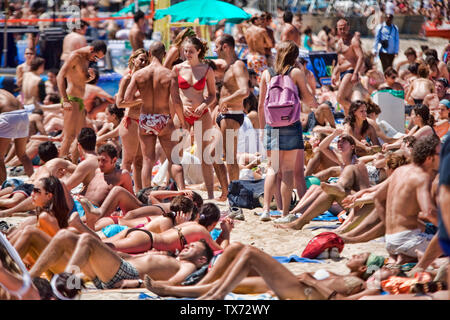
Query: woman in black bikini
{"points": [[176, 238]]}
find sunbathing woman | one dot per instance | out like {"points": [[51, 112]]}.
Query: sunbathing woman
{"points": [[129, 127], [140, 240], [50, 198], [423, 126], [193, 76], [181, 210], [343, 156], [135, 210], [357, 126], [240, 277]]}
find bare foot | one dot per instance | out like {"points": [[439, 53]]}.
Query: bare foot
{"points": [[90, 212], [223, 197], [292, 225], [154, 287], [333, 189]]}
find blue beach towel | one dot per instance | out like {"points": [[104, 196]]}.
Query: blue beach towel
{"points": [[327, 216], [295, 258]]}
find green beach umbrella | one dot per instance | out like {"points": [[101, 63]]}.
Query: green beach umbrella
{"points": [[130, 8], [209, 12]]}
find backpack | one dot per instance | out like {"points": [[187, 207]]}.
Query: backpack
{"points": [[282, 104], [245, 193], [320, 243]]}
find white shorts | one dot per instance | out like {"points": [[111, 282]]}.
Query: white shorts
{"points": [[14, 124], [406, 242]]}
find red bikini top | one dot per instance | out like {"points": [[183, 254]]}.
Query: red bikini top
{"points": [[199, 85]]}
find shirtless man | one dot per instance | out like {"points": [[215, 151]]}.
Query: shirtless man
{"points": [[432, 100], [74, 41], [106, 177], [409, 199], [24, 67], [33, 87], [231, 104], [350, 61], [15, 125], [137, 34], [75, 71], [61, 168], [258, 41], [290, 32], [110, 270], [266, 20], [156, 118], [420, 87]]}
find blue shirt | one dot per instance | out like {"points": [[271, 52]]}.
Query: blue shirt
{"points": [[389, 33]]}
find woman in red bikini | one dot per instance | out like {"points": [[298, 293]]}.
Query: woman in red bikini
{"points": [[196, 92], [129, 127]]}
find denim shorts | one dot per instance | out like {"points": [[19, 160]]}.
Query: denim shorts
{"points": [[289, 137]]}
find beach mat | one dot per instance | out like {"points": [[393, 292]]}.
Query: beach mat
{"points": [[295, 258], [332, 227]]}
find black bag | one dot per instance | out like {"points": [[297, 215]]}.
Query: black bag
{"points": [[384, 44], [245, 193]]}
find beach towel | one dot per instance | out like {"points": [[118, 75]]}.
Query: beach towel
{"points": [[327, 216], [229, 296], [320, 243], [295, 258]]}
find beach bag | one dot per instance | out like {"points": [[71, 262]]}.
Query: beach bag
{"points": [[282, 104], [245, 193], [320, 243]]}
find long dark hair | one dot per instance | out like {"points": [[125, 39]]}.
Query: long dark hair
{"points": [[351, 118], [57, 206], [424, 112]]}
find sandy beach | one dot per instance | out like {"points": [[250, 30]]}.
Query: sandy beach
{"points": [[278, 242]]}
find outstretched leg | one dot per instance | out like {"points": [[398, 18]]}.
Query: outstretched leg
{"points": [[278, 278]]}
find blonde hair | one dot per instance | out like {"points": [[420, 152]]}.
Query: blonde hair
{"points": [[136, 54], [188, 32], [287, 54]]}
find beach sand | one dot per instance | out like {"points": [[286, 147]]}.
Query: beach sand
{"points": [[279, 242]]}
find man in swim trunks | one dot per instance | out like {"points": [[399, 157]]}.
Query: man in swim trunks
{"points": [[257, 40], [231, 108], [403, 230], [14, 124], [156, 119], [108, 269], [350, 61], [76, 73]]}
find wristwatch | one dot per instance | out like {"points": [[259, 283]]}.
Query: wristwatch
{"points": [[140, 282]]}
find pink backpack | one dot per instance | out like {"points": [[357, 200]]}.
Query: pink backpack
{"points": [[282, 105]]}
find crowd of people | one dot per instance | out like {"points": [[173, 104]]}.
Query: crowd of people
{"points": [[96, 214]]}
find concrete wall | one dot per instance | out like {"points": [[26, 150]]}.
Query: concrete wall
{"points": [[407, 24]]}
